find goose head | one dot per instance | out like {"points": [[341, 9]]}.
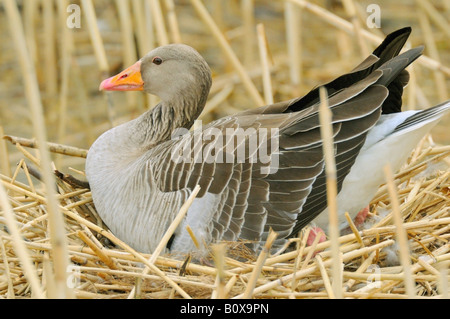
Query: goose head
{"points": [[171, 72]]}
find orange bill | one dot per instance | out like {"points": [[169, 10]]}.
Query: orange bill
{"points": [[128, 80]]}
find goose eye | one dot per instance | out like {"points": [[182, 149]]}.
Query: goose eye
{"points": [[157, 60]]}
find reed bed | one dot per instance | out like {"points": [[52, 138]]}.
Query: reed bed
{"points": [[265, 51], [101, 266]]}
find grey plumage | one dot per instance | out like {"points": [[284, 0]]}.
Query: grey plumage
{"points": [[138, 187]]}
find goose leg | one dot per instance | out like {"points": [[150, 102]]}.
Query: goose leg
{"points": [[361, 216], [315, 231]]}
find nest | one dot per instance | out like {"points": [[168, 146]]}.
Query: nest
{"points": [[404, 250], [371, 260]]}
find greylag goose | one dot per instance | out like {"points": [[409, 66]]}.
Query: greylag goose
{"points": [[138, 186]]}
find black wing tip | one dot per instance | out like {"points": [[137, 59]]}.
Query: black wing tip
{"points": [[398, 36]]}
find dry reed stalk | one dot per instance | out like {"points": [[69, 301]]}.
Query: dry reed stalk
{"points": [[29, 11], [158, 18], [66, 56], [300, 247], [362, 268], [5, 169], [50, 74], [293, 27], [350, 8], [326, 131], [311, 269], [94, 33], [348, 27], [28, 155], [218, 252], [434, 15], [10, 288], [248, 19], [326, 279], [18, 188], [248, 293], [444, 282], [431, 47], [193, 237], [143, 28], [173, 21], [312, 250], [228, 51], [411, 89], [142, 13], [53, 147], [217, 99], [424, 204], [402, 237], [218, 12], [149, 26], [29, 270], [81, 92], [234, 78], [127, 248], [57, 235], [98, 250], [128, 43], [354, 230], [27, 175], [263, 55], [17, 170]]}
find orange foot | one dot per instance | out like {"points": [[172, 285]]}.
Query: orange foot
{"points": [[359, 220], [362, 215], [313, 234]]}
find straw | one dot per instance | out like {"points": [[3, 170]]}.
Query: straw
{"points": [[422, 182], [128, 43], [354, 230], [348, 27], [326, 279], [434, 14], [66, 56], [158, 19], [218, 252], [50, 73], [293, 17], [228, 51], [259, 264], [144, 44], [430, 45], [5, 169], [28, 269], [350, 8], [52, 147], [263, 55], [173, 21], [326, 131], [29, 10], [96, 39], [401, 234], [57, 237], [248, 38], [10, 291]]}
